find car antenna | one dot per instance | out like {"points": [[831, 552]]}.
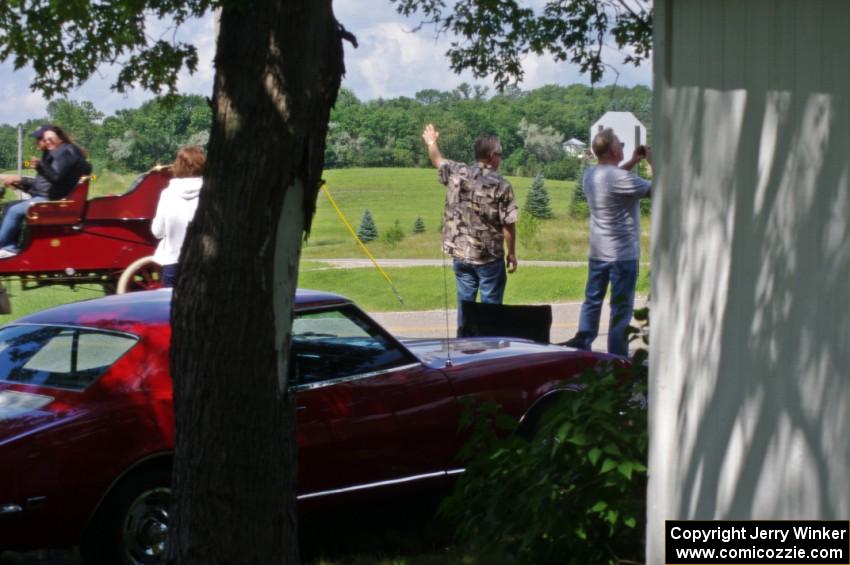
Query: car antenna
{"points": [[446, 310]]}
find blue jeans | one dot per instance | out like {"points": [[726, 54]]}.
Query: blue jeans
{"points": [[489, 278], [10, 228], [623, 278], [169, 275]]}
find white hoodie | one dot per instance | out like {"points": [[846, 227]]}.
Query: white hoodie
{"points": [[175, 210]]}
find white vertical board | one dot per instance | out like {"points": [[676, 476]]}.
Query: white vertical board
{"points": [[750, 353]]}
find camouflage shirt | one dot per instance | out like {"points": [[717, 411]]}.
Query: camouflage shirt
{"points": [[479, 201]]}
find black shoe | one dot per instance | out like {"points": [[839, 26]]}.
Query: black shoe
{"points": [[578, 342]]}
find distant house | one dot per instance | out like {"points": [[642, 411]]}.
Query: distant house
{"points": [[574, 147], [627, 127]]}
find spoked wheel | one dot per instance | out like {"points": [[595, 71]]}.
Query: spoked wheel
{"points": [[146, 527], [141, 274], [131, 528]]}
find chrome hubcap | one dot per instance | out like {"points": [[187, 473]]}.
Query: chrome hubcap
{"points": [[146, 527]]}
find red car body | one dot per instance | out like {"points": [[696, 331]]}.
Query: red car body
{"points": [[373, 411]]}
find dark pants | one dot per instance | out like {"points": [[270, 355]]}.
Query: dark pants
{"points": [[489, 279], [169, 275]]}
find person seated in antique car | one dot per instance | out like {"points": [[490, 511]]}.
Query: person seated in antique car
{"points": [[58, 170]]}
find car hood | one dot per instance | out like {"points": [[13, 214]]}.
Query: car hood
{"points": [[435, 353]]}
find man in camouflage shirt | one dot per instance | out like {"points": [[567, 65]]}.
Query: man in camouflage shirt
{"points": [[479, 221]]}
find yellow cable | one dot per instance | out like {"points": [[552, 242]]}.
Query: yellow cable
{"points": [[360, 243]]}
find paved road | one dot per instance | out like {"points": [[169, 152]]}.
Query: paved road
{"points": [[434, 323]]}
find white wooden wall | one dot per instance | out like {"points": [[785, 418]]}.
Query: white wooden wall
{"points": [[750, 305]]}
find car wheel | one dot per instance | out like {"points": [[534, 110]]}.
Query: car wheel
{"points": [[141, 274], [131, 528]]}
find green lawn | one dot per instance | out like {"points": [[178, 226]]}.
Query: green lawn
{"points": [[404, 194], [430, 288], [395, 194]]}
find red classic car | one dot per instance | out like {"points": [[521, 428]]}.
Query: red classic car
{"points": [[87, 429]]}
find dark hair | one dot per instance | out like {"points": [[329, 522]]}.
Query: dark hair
{"points": [[65, 137], [190, 162], [485, 146]]}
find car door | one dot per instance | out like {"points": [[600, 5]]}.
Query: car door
{"points": [[346, 370]]}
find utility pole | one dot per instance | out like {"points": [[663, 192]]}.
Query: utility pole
{"points": [[20, 149]]}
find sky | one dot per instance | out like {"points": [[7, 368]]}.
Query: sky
{"points": [[391, 61]]}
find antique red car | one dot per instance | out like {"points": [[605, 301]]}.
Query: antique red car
{"points": [[103, 241], [87, 429]]}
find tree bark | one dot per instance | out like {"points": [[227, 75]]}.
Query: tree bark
{"points": [[278, 70]]}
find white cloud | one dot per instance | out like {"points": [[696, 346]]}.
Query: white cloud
{"points": [[391, 61]]}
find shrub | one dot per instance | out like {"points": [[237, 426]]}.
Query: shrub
{"points": [[367, 231], [393, 235], [419, 225], [574, 493], [578, 205], [537, 201], [528, 228], [567, 168]]}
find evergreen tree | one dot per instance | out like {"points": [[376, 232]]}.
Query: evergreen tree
{"points": [[367, 231], [578, 206], [419, 225], [537, 201]]}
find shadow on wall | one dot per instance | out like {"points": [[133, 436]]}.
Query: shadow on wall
{"points": [[752, 315]]}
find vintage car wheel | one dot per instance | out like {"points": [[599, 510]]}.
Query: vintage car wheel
{"points": [[131, 528], [141, 274]]}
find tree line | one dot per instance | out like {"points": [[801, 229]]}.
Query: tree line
{"points": [[378, 133]]}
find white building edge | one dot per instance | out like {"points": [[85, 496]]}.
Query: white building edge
{"points": [[749, 362]]}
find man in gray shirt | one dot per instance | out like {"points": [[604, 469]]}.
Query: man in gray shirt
{"points": [[613, 196]]}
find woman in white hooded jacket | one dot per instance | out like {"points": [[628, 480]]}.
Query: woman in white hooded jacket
{"points": [[176, 208]]}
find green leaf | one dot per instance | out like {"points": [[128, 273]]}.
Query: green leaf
{"points": [[611, 516], [579, 438], [625, 468], [607, 465], [599, 506], [593, 455], [630, 522], [611, 449]]}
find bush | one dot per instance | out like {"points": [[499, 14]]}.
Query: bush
{"points": [[394, 235], [528, 228], [419, 225], [575, 493], [578, 206], [567, 168], [537, 201], [367, 231]]}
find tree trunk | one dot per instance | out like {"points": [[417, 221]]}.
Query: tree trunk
{"points": [[278, 69]]}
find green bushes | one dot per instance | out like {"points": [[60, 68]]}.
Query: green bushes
{"points": [[572, 494], [394, 235]]}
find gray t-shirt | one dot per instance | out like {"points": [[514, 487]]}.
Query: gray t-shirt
{"points": [[613, 198]]}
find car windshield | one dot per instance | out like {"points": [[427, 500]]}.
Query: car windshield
{"points": [[59, 356], [338, 343]]}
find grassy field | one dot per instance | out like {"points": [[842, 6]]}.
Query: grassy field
{"points": [[429, 288], [404, 194], [421, 288], [394, 194]]}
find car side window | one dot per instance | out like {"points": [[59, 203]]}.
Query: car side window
{"points": [[63, 357], [337, 343]]}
